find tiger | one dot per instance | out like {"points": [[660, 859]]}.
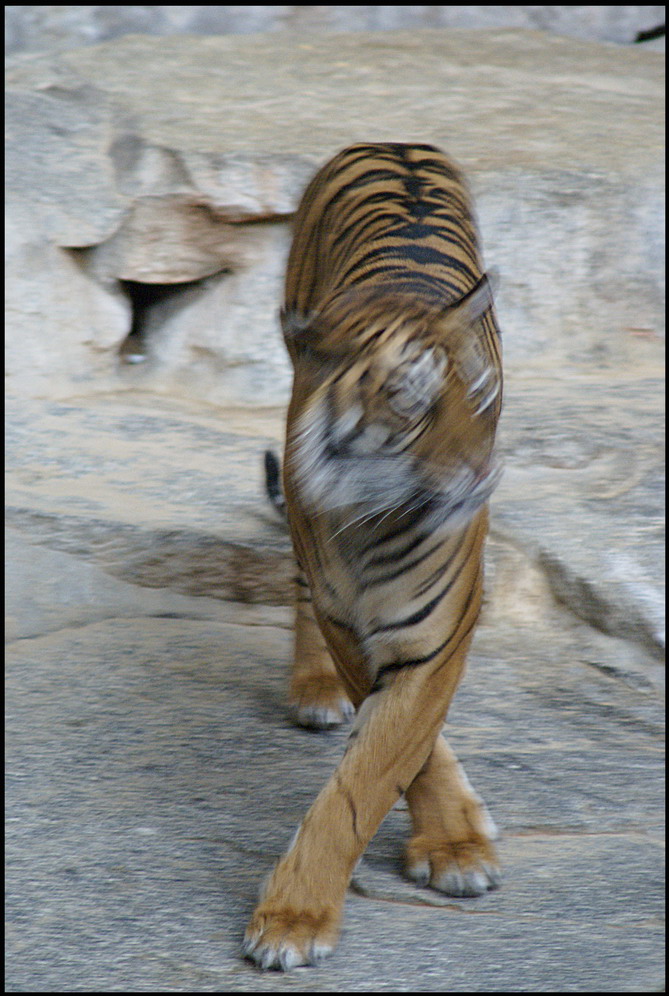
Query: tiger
{"points": [[389, 462]]}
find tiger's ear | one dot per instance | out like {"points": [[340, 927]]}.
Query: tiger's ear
{"points": [[470, 308], [300, 334], [471, 351]]}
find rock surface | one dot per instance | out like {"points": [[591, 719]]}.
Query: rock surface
{"points": [[153, 776], [168, 218], [30, 29], [170, 494]]}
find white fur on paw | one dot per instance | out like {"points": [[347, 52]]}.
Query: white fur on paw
{"points": [[283, 956], [323, 717], [454, 880], [473, 882]]}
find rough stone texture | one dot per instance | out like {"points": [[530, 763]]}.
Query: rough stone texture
{"points": [[30, 29], [153, 778], [170, 494], [152, 774], [563, 143]]}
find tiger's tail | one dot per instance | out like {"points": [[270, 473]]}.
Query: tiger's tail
{"points": [[273, 484]]}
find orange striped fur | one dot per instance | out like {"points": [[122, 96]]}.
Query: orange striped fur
{"points": [[389, 463]]}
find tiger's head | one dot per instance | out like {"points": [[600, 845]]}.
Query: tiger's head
{"points": [[394, 406]]}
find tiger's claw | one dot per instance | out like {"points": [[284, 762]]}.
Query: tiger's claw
{"points": [[286, 940]]}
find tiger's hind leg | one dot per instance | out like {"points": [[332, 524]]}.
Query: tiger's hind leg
{"points": [[451, 847], [317, 697]]}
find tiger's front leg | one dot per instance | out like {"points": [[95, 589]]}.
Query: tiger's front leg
{"points": [[298, 918]]}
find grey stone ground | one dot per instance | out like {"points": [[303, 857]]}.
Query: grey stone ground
{"points": [[152, 774], [154, 778]]}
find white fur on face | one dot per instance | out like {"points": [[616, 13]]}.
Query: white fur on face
{"points": [[336, 466], [339, 464]]}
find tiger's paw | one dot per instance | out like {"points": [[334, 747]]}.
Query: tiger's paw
{"points": [[319, 702], [459, 868], [285, 938]]}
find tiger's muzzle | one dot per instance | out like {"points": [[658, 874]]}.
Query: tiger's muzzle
{"points": [[361, 469]]}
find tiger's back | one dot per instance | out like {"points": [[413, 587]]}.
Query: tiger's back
{"points": [[381, 295], [386, 214], [388, 466]]}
